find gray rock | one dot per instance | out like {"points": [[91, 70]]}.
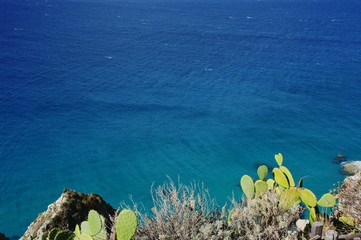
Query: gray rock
{"points": [[351, 167], [69, 209]]}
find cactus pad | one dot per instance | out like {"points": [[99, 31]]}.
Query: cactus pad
{"points": [[279, 159], [288, 175], [64, 235], [262, 172], [289, 197], [94, 224], [327, 200], [270, 183], [280, 178], [308, 197], [261, 188], [247, 186], [126, 225]]}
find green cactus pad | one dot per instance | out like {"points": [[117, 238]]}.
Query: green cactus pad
{"points": [[53, 233], [126, 225], [230, 214], [308, 197], [347, 220], [327, 200], [271, 184], [262, 172], [261, 188], [85, 236], [279, 159], [64, 235], [94, 224], [247, 186], [280, 178], [288, 175], [289, 197]]}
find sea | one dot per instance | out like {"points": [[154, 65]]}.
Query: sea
{"points": [[112, 96]]}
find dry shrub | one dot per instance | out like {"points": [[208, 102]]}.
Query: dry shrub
{"points": [[349, 194], [187, 212], [264, 218], [179, 212]]}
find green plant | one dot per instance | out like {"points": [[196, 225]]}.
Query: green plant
{"points": [[247, 186], [263, 218], [57, 234], [93, 229], [285, 186], [126, 225]]}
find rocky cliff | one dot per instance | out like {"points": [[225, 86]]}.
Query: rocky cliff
{"points": [[69, 209]]}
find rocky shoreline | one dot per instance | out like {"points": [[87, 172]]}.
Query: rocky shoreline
{"points": [[72, 207]]}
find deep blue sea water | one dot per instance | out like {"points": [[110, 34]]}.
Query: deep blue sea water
{"points": [[111, 96]]}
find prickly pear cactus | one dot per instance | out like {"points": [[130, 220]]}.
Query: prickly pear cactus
{"points": [[57, 234], [126, 225], [247, 186], [280, 178], [93, 229], [288, 175], [289, 197], [327, 200], [262, 172], [279, 159], [261, 188], [53, 233], [64, 235], [308, 197]]}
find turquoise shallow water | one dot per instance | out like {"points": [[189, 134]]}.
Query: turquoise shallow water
{"points": [[109, 97]]}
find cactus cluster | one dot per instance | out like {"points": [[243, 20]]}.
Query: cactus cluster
{"points": [[57, 234], [94, 228], [285, 186]]}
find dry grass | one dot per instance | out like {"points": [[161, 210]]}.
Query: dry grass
{"points": [[183, 212], [179, 212]]}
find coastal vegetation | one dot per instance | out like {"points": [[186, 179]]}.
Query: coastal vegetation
{"points": [[274, 208]]}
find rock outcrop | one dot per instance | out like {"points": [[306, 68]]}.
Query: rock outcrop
{"points": [[69, 209], [351, 167], [3, 237]]}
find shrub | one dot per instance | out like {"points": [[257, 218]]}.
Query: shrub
{"points": [[349, 207], [263, 218], [179, 212]]}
